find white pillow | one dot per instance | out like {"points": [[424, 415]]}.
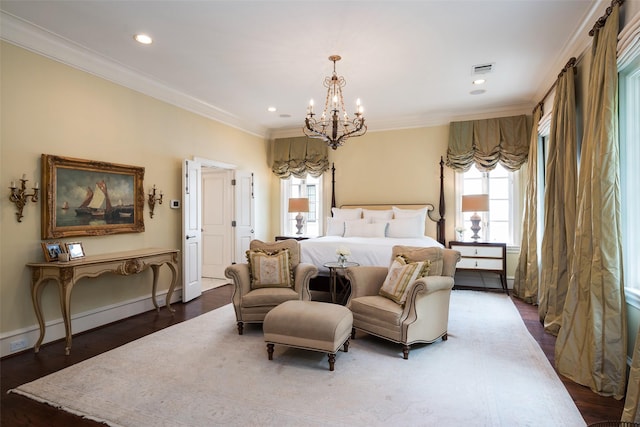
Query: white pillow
{"points": [[347, 214], [335, 227], [360, 228], [410, 213], [404, 228], [372, 214]]}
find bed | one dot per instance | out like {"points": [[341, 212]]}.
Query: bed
{"points": [[369, 231]]}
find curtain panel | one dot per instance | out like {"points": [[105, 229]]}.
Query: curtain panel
{"points": [[525, 283], [299, 157], [559, 204], [591, 348], [487, 142]]}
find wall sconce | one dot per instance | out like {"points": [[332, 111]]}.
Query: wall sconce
{"points": [[20, 197], [153, 199]]}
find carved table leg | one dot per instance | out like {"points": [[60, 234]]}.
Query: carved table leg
{"points": [[174, 281], [65, 306], [155, 269], [36, 299], [270, 351]]}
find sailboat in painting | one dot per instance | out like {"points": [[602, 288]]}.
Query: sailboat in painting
{"points": [[98, 205]]}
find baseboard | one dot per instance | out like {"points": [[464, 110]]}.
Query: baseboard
{"points": [[26, 338]]}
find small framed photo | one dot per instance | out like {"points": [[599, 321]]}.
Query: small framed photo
{"points": [[52, 250], [75, 250]]}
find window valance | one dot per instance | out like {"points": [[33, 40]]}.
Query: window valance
{"points": [[299, 156], [487, 142]]}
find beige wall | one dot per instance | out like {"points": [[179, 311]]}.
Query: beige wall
{"points": [[47, 107]]}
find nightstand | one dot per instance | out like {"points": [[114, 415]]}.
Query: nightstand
{"points": [[278, 238], [483, 257]]}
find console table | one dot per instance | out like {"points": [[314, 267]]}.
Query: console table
{"points": [[67, 274]]}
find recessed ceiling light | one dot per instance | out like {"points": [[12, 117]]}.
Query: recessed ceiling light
{"points": [[479, 81], [271, 109], [143, 38], [477, 92], [285, 116]]}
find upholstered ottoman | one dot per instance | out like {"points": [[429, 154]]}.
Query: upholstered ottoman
{"points": [[309, 325]]}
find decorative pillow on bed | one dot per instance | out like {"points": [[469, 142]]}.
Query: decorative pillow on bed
{"points": [[361, 228], [371, 215], [335, 227], [399, 213], [347, 214], [270, 269], [401, 275], [404, 228]]}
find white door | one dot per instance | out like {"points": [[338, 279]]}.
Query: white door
{"points": [[244, 214], [191, 230], [217, 235]]}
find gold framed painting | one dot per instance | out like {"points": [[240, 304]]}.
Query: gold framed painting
{"points": [[90, 198]]}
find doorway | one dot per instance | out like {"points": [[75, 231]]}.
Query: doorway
{"points": [[217, 232], [218, 216]]}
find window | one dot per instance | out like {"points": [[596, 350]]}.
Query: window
{"points": [[308, 187], [629, 91], [501, 222]]}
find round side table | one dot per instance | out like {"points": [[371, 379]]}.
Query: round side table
{"points": [[336, 274]]}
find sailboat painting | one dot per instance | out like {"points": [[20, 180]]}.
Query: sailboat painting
{"points": [[93, 198]]}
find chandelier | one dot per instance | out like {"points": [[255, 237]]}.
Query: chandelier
{"points": [[334, 126]]}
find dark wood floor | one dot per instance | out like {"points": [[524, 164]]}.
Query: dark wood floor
{"points": [[27, 366]]}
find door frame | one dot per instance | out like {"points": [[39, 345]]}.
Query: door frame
{"points": [[204, 163]]}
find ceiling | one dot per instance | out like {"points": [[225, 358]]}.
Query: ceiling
{"points": [[410, 62]]}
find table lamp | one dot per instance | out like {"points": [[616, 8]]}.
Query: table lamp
{"points": [[475, 203], [299, 205]]}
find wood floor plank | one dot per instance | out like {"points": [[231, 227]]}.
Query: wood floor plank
{"points": [[27, 366]]}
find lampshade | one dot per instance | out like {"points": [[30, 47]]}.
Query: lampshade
{"points": [[299, 204], [475, 203]]}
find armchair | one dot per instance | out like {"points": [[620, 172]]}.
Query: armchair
{"points": [[251, 303], [424, 316]]}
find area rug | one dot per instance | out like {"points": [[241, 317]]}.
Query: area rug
{"points": [[490, 372]]}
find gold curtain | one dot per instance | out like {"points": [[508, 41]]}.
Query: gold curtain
{"points": [[525, 283], [299, 157], [559, 205], [487, 142], [591, 345]]}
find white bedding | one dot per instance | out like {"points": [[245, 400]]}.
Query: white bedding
{"points": [[364, 250]]}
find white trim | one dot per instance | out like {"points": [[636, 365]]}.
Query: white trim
{"points": [[214, 163], [85, 321]]}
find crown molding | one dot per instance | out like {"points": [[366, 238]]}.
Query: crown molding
{"points": [[576, 46], [35, 39]]}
